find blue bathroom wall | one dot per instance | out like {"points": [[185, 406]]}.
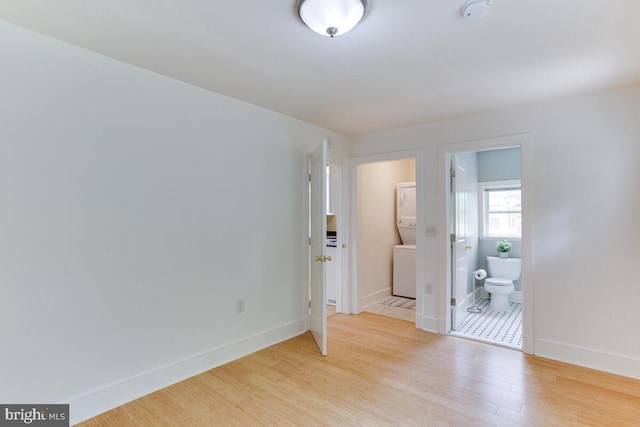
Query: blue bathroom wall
{"points": [[498, 165]]}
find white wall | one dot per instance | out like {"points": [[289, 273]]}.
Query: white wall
{"points": [[134, 211], [377, 232], [585, 211]]}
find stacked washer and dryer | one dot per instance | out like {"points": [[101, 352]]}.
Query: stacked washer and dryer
{"points": [[404, 255]]}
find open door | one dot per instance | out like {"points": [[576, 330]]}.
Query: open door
{"points": [[318, 248], [459, 243]]}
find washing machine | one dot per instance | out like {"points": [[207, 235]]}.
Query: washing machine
{"points": [[404, 271], [404, 256]]}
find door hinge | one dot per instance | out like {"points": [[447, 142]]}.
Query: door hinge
{"points": [[453, 302], [452, 173], [309, 241], [309, 304], [453, 238]]}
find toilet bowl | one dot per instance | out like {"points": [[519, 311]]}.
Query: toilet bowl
{"points": [[499, 284]]}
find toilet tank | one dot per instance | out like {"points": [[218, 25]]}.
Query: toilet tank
{"points": [[504, 268]]}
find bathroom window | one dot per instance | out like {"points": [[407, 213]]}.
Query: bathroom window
{"points": [[501, 206]]}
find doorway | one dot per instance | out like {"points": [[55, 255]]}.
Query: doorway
{"points": [[486, 201], [378, 238]]}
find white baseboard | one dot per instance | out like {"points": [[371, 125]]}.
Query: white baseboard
{"points": [[429, 324], [442, 326], [527, 344], [588, 358], [113, 395], [373, 298]]}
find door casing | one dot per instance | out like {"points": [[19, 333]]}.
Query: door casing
{"points": [[445, 152], [354, 301]]}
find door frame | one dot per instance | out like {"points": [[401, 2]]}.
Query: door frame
{"points": [[354, 302], [445, 152]]}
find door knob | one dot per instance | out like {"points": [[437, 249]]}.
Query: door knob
{"points": [[467, 247], [321, 258], [329, 258]]}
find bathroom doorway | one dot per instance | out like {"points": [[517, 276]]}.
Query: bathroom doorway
{"points": [[485, 203]]}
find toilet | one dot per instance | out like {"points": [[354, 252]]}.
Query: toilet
{"points": [[502, 273]]}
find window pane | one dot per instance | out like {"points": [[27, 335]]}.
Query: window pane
{"points": [[504, 200], [502, 205], [504, 225]]}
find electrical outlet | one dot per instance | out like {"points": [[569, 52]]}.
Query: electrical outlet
{"points": [[240, 306], [432, 231], [428, 288]]}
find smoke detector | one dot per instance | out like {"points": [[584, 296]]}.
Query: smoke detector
{"points": [[476, 10]]}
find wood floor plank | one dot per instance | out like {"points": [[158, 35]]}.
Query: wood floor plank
{"points": [[384, 372]]}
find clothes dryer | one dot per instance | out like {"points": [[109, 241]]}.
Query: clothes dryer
{"points": [[404, 256]]}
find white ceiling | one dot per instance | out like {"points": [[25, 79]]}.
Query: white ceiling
{"points": [[408, 62]]}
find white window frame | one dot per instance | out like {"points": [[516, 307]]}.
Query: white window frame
{"points": [[482, 214]]}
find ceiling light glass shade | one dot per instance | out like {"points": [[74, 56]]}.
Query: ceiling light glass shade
{"points": [[331, 17]]}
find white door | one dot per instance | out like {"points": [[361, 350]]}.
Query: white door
{"points": [[460, 245], [317, 249]]}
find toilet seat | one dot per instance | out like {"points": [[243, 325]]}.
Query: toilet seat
{"points": [[496, 281]]}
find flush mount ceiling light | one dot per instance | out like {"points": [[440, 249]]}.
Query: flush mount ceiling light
{"points": [[331, 17], [476, 9]]}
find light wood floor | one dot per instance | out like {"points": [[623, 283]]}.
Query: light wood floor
{"points": [[384, 372]]}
